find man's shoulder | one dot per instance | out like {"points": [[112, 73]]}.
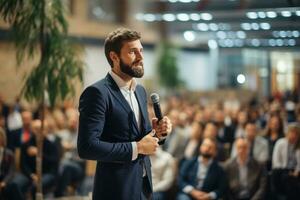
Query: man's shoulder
{"points": [[100, 85]]}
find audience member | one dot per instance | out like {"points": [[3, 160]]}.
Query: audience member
{"points": [[50, 159], [286, 164], [258, 146], [246, 177], [163, 173], [8, 189], [202, 177]]}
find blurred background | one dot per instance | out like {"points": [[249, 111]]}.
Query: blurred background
{"points": [[228, 62], [248, 45]]}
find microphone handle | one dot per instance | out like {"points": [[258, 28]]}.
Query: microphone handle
{"points": [[158, 113]]}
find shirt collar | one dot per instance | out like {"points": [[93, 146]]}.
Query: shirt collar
{"points": [[209, 162], [121, 83]]}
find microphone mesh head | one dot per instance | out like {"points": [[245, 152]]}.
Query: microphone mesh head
{"points": [[154, 98]]}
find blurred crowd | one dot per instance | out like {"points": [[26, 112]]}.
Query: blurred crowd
{"points": [[217, 150], [230, 149], [62, 170]]}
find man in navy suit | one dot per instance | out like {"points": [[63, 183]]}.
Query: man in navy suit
{"points": [[202, 178], [114, 127]]}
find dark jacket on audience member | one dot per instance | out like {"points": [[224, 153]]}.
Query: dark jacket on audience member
{"points": [[215, 180], [7, 166], [50, 158], [256, 176]]}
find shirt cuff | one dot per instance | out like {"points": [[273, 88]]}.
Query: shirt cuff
{"points": [[212, 195], [187, 189], [134, 151]]}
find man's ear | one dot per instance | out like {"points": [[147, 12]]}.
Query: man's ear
{"points": [[113, 56]]}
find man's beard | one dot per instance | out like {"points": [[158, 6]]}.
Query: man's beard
{"points": [[207, 155], [132, 70]]}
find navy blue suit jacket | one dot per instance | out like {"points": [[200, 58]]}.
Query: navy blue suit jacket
{"points": [[215, 180], [107, 126]]}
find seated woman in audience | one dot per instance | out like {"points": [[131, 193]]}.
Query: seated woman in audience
{"points": [[247, 178], [195, 140], [273, 133], [286, 164]]}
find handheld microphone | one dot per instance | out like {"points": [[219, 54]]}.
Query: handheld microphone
{"points": [[156, 107]]}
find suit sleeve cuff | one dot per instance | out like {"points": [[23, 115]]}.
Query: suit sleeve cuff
{"points": [[187, 189], [212, 195], [134, 151]]}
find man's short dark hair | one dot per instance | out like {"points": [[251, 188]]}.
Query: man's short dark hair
{"points": [[115, 40]]}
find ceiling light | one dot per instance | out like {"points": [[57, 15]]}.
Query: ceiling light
{"points": [[241, 34], [286, 13], [183, 17], [213, 27], [169, 17], [265, 26], [149, 17], [206, 16], [279, 42], [246, 26], [224, 26], [241, 78], [271, 14], [221, 34], [255, 42], [296, 33], [189, 36], [282, 34], [298, 13], [255, 26], [291, 42], [195, 16], [251, 15], [229, 43], [202, 27], [185, 1], [261, 15], [212, 44], [272, 42]]}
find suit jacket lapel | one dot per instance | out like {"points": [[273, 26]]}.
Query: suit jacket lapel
{"points": [[142, 107], [115, 90]]}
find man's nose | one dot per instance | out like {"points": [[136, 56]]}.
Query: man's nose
{"points": [[140, 55]]}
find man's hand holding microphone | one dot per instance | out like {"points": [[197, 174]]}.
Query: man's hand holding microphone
{"points": [[162, 127]]}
